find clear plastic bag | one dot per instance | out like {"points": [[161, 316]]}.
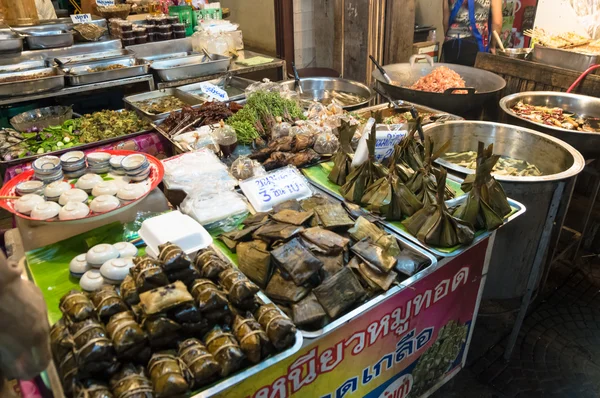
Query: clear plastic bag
{"points": [[219, 210], [326, 143], [243, 168], [315, 110], [281, 129]]}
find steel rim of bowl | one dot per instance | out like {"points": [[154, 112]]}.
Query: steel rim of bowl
{"points": [[510, 112], [362, 86], [576, 167]]}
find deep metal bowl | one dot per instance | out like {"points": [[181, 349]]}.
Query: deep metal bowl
{"points": [[42, 118], [586, 143], [317, 88], [518, 53], [555, 158]]}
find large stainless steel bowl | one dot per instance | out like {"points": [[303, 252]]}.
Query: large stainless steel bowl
{"points": [[319, 88], [516, 243], [587, 143]]}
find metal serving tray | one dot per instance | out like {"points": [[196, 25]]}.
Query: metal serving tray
{"points": [[92, 57], [563, 58], [190, 67], [23, 66], [132, 101], [79, 74], [237, 377], [164, 57], [234, 86], [54, 81], [39, 39], [10, 43]]}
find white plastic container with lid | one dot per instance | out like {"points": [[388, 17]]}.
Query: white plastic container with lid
{"points": [[176, 228]]}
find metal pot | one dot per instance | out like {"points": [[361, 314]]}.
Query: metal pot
{"points": [[320, 88], [482, 86], [516, 243], [587, 143], [518, 53]]}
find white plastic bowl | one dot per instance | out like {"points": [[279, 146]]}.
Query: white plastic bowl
{"points": [[100, 254], [45, 211], [104, 203], [78, 266], [115, 270], [73, 195], [131, 191], [88, 181], [105, 188], [92, 280], [26, 203], [73, 211], [126, 249]]}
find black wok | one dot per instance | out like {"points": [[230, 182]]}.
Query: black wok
{"points": [[481, 86]]}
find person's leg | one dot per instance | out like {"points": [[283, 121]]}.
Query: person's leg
{"points": [[460, 51]]}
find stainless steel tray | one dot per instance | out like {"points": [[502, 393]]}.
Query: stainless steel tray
{"points": [[190, 67], [234, 86], [164, 57], [23, 66], [563, 58], [185, 97], [235, 378], [79, 74], [162, 47], [92, 57], [55, 81], [10, 43], [39, 39]]}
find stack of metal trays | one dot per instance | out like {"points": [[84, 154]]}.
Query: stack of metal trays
{"points": [[190, 67], [29, 82], [566, 59], [135, 102], [164, 57], [234, 87], [88, 73], [10, 43], [23, 66]]}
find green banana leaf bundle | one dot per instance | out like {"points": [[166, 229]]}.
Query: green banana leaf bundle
{"points": [[409, 151], [486, 204], [423, 182], [343, 158], [390, 198], [435, 226], [364, 175]]}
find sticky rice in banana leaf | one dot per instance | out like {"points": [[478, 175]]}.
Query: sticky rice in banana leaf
{"points": [[233, 238], [61, 341], [390, 198], [127, 336], [291, 204], [148, 274], [255, 219], [355, 211], [329, 242], [339, 293], [203, 366], [331, 264], [131, 381], [363, 175], [280, 329], [172, 257], [342, 160], [225, 349], [435, 226], [107, 302], [374, 255], [275, 231], [162, 331], [92, 389], [98, 356], [240, 290], [254, 260], [486, 204], [129, 291], [164, 298], [285, 291], [364, 229], [76, 306], [210, 264], [314, 201], [293, 217], [295, 259], [373, 277], [409, 151], [308, 311], [253, 341], [333, 216], [186, 275], [170, 376], [423, 183], [208, 296]]}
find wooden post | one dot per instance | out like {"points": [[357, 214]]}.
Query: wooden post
{"points": [[19, 12], [399, 31]]}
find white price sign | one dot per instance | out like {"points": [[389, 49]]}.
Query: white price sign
{"points": [[214, 92], [81, 18], [276, 187], [105, 3], [385, 141]]}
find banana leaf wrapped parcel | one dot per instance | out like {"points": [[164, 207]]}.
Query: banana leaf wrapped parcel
{"points": [[390, 198], [423, 182], [486, 204], [203, 366], [252, 339], [131, 382], [225, 349], [280, 329], [210, 264], [172, 257], [95, 351], [435, 226], [128, 337], [92, 389], [342, 161], [240, 290], [76, 306], [148, 274], [129, 291], [107, 302], [170, 376]]}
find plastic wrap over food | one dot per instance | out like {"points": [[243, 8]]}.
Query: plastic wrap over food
{"points": [[201, 170], [243, 168], [263, 85], [198, 139], [221, 210]]}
